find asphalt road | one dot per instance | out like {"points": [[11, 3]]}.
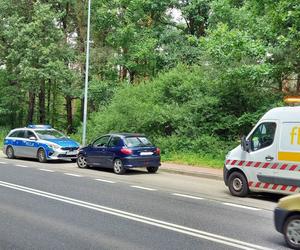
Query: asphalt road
{"points": [[58, 206]]}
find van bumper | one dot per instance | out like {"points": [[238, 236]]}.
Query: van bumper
{"points": [[225, 175]]}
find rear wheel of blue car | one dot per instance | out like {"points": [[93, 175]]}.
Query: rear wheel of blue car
{"points": [[10, 152], [152, 170], [118, 167], [81, 161], [41, 155]]}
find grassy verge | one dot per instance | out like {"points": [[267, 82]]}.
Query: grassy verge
{"points": [[194, 159], [3, 133]]}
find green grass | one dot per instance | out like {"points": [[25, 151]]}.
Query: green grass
{"points": [[194, 159], [3, 133]]}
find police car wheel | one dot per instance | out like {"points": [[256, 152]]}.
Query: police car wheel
{"points": [[81, 161], [10, 152], [118, 167], [238, 184], [41, 155], [291, 231]]}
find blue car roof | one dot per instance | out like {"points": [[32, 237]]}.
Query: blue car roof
{"points": [[126, 134]]}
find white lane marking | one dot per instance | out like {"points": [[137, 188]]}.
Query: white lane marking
{"points": [[188, 196], [46, 170], [144, 188], [143, 219], [240, 206], [22, 166], [105, 180], [2, 162], [76, 175]]}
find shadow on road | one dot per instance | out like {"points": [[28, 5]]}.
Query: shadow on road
{"points": [[267, 196], [130, 172]]}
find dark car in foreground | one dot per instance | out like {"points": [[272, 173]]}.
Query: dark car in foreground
{"points": [[120, 151], [287, 220]]}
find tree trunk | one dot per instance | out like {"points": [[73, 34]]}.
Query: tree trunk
{"points": [[70, 128], [42, 106], [48, 101], [31, 107]]}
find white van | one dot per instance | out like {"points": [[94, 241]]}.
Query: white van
{"points": [[268, 159]]}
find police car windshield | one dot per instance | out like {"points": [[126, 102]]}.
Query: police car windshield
{"points": [[49, 134]]}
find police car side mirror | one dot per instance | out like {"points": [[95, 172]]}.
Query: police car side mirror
{"points": [[32, 138], [245, 144]]}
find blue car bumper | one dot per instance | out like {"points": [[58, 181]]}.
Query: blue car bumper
{"points": [[134, 162]]}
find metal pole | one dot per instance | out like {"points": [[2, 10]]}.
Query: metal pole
{"points": [[86, 75]]}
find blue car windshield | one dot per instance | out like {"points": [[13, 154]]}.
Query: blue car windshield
{"points": [[137, 142], [49, 134]]}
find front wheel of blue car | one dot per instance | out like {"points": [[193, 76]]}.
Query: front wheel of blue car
{"points": [[81, 161], [119, 167]]}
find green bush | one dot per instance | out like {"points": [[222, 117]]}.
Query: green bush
{"points": [[184, 110]]}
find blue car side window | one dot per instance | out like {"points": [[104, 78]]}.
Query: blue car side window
{"points": [[115, 142]]}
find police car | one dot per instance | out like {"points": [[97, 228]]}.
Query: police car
{"points": [[41, 142]]}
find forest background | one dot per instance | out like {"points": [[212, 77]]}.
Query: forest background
{"points": [[194, 75]]}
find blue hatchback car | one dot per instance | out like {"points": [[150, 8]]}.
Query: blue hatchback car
{"points": [[120, 151]]}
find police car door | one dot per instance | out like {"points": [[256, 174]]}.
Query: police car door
{"points": [[30, 147], [263, 153]]}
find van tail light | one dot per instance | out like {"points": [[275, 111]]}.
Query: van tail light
{"points": [[126, 151], [157, 151]]}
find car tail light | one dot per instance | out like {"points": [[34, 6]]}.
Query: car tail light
{"points": [[126, 151], [157, 151]]}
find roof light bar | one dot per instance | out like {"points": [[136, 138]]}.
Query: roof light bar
{"points": [[39, 126]]}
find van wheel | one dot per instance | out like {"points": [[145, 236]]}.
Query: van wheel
{"points": [[238, 184], [41, 155], [10, 152], [291, 232]]}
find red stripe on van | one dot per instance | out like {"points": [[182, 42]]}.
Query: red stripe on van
{"points": [[250, 183], [275, 165], [257, 184], [283, 187], [266, 165], [266, 185], [293, 189], [275, 186], [257, 164], [292, 168], [249, 163], [233, 162], [227, 162], [283, 167], [241, 163]]}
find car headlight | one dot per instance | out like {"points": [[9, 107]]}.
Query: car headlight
{"points": [[54, 146]]}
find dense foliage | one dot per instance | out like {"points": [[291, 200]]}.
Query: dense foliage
{"points": [[192, 74]]}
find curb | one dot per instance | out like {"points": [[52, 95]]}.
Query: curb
{"points": [[195, 174]]}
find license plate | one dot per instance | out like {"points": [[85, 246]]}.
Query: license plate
{"points": [[74, 152], [146, 153]]}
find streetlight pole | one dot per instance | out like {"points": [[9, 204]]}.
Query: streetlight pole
{"points": [[86, 75]]}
